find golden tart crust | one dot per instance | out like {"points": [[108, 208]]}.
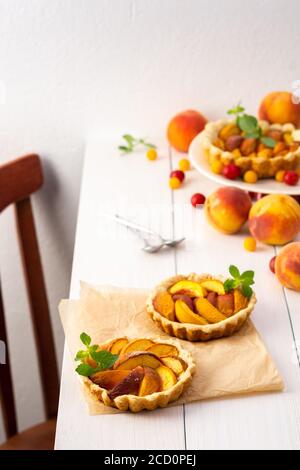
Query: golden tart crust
{"points": [[264, 167], [149, 402], [192, 332]]}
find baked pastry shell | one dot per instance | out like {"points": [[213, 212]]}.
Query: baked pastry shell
{"points": [[192, 332], [149, 402]]}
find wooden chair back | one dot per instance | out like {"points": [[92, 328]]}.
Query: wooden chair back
{"points": [[18, 180]]}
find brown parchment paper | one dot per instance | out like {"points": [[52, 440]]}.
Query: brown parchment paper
{"points": [[236, 365]]}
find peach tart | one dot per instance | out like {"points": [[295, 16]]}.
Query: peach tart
{"points": [[200, 307], [271, 148], [135, 374]]}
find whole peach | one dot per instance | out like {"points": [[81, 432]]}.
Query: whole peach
{"points": [[183, 128], [275, 219], [278, 107], [287, 266], [227, 209]]}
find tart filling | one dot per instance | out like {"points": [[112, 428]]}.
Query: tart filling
{"points": [[223, 141], [201, 307], [135, 374]]}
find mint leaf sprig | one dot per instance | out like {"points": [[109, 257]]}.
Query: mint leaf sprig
{"points": [[243, 281], [133, 142], [249, 125], [103, 359], [236, 110]]}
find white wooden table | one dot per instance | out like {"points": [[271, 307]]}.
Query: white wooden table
{"points": [[108, 254]]}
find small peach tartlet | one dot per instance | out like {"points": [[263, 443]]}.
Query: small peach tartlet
{"points": [[202, 307], [135, 374]]}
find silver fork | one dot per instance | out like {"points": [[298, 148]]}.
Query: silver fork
{"points": [[142, 232]]}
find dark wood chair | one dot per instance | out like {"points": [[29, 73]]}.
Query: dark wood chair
{"points": [[18, 180]]}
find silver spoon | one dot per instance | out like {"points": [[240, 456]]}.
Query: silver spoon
{"points": [[139, 230], [148, 247], [173, 243]]}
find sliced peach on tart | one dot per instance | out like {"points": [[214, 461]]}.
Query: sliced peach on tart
{"points": [[163, 350], [225, 304], [214, 286], [212, 298], [136, 345], [188, 300], [208, 311], [151, 382], [130, 385], [165, 305], [190, 288], [240, 301], [137, 358], [109, 378], [185, 315], [117, 345], [168, 377], [176, 364]]}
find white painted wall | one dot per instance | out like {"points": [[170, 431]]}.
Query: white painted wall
{"points": [[76, 67]]}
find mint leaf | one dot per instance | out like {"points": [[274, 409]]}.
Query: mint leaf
{"points": [[104, 359], [229, 285], [133, 142], [268, 141], [81, 355], [124, 149], [147, 144], [86, 339], [85, 370], [234, 271], [247, 123], [236, 109], [247, 278], [96, 355], [129, 139], [150, 146], [242, 281], [246, 274], [247, 290], [253, 135]]}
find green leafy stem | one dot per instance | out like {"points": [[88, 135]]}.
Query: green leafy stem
{"points": [[249, 125], [243, 281], [132, 142], [103, 359]]}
